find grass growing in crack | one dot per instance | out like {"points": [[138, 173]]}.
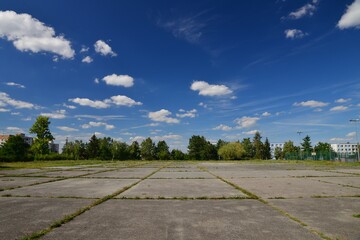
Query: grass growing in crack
{"points": [[356, 215]]}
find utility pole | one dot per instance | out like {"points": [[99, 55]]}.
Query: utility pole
{"points": [[300, 132], [356, 121]]}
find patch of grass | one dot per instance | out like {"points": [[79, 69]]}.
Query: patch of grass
{"points": [[356, 215]]}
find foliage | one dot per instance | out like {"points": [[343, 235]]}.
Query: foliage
{"points": [[15, 149], [306, 144], [266, 150], [278, 153], [258, 146], [249, 148], [51, 157], [177, 155], [105, 148], [147, 149], [200, 149], [93, 147], [43, 135], [232, 151], [134, 151], [162, 151]]}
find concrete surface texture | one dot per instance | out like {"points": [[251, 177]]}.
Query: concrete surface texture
{"points": [[182, 200]]}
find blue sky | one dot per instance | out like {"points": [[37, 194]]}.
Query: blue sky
{"points": [[173, 69]]}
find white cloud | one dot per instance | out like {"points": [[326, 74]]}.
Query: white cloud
{"points": [[69, 106], [15, 113], [294, 33], [29, 34], [98, 124], [15, 129], [339, 139], [222, 127], [90, 103], [162, 116], [189, 114], [351, 134], [103, 48], [338, 108], [6, 100], [60, 114], [138, 139], [4, 110], [311, 103], [246, 122], [87, 59], [266, 114], [206, 89], [67, 129], [166, 137], [84, 49], [252, 132], [96, 80], [351, 17], [119, 80], [306, 10], [343, 100], [15, 84], [121, 100]]}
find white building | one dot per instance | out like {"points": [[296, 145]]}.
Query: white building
{"points": [[273, 146], [345, 148]]}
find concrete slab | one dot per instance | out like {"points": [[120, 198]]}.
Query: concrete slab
{"points": [[79, 187], [195, 220], [98, 169], [10, 182], [174, 175], [348, 181], [292, 187], [190, 188], [20, 171], [126, 173], [73, 173], [180, 170], [23, 216], [332, 216], [351, 171], [274, 173]]}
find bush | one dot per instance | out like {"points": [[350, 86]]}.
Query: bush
{"points": [[51, 157]]}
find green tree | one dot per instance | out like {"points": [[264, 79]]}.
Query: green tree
{"points": [[43, 135], [200, 149], [162, 151], [306, 144], [258, 146], [93, 147], [14, 149], [147, 149], [220, 143], [324, 151], [290, 151], [120, 151], [105, 148], [249, 148], [232, 151], [177, 155], [278, 153], [134, 151], [267, 150]]}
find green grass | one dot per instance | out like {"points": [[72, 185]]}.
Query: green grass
{"points": [[356, 215]]}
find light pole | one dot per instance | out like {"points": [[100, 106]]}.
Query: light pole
{"points": [[356, 121], [300, 132]]}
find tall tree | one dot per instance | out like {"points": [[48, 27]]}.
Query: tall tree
{"points": [[134, 151], [43, 135], [290, 151], [278, 153], [177, 155], [93, 147], [14, 149], [162, 151], [200, 149], [258, 146], [105, 148], [267, 150], [147, 149], [232, 151], [306, 144], [248, 148]]}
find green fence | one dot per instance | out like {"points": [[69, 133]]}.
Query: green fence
{"points": [[332, 156]]}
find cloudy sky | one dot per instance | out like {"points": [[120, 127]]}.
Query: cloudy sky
{"points": [[173, 69]]}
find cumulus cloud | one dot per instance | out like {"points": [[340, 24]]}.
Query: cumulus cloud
{"points": [[121, 100], [306, 10], [67, 129], [162, 116], [206, 89], [351, 17], [252, 132], [6, 100], [84, 49], [29, 34], [103, 48], [222, 127], [351, 134], [98, 124], [4, 110], [338, 108], [90, 103], [266, 114], [69, 106], [189, 114], [60, 114], [87, 59], [119, 80], [343, 100], [246, 122], [12, 84], [167, 137], [15, 129], [311, 103], [294, 33], [138, 139]]}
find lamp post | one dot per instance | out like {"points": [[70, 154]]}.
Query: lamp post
{"points": [[356, 121], [300, 132]]}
